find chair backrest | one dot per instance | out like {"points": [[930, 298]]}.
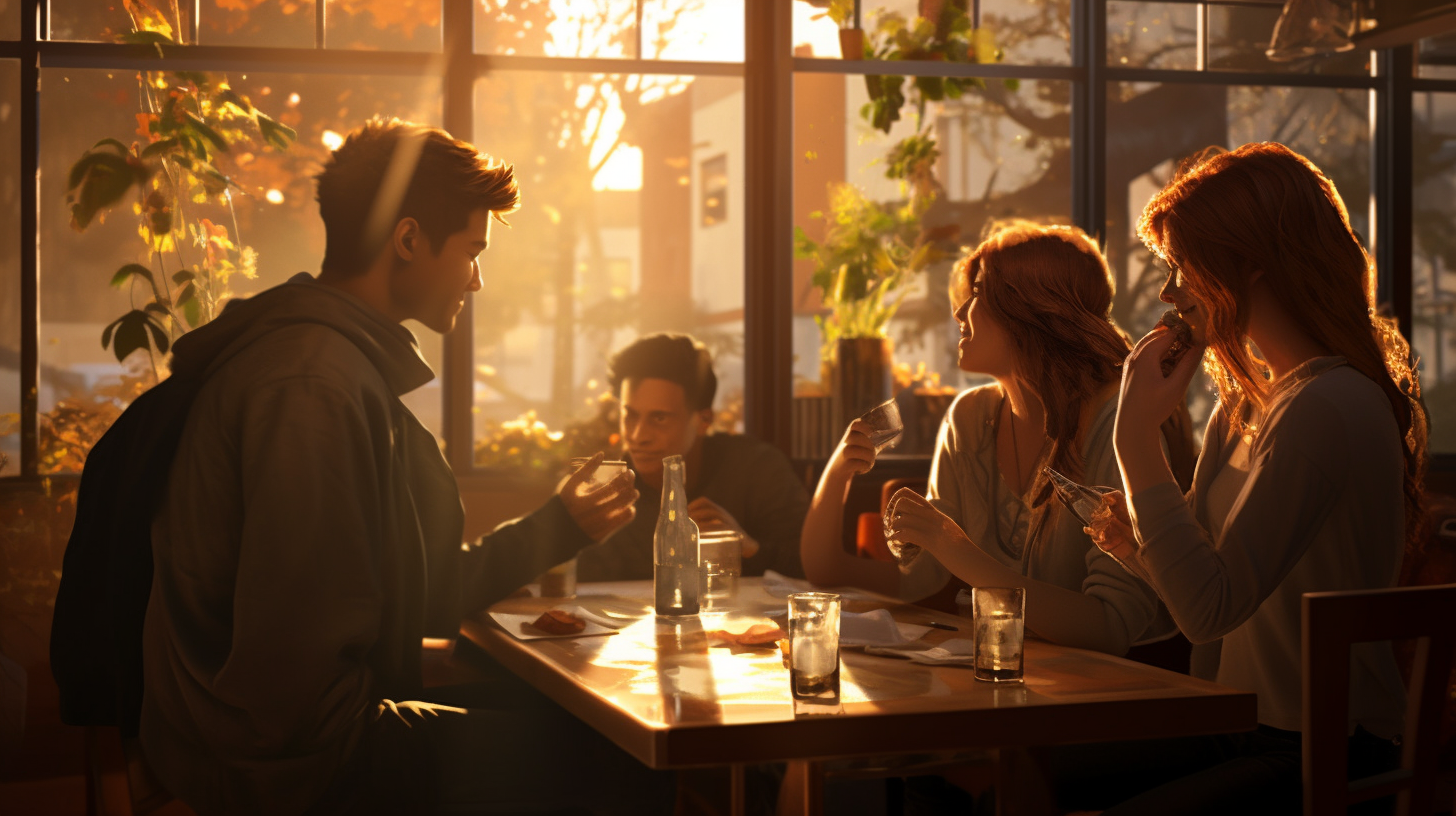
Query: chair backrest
{"points": [[1332, 622]]}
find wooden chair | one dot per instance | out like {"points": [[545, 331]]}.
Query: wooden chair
{"points": [[1332, 622]]}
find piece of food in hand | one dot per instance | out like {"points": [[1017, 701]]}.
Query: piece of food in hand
{"points": [[559, 622], [1182, 340]]}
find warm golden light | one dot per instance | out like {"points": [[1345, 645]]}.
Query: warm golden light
{"points": [[274, 197], [332, 140]]}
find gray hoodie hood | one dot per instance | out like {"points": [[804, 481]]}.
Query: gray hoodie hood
{"points": [[390, 347]]}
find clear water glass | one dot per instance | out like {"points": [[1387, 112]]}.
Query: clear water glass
{"points": [[814, 648], [1000, 626], [720, 554]]}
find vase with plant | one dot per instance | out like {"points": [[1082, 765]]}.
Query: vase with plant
{"points": [[845, 14]]}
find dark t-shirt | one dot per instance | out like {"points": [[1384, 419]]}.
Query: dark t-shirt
{"points": [[752, 480]]}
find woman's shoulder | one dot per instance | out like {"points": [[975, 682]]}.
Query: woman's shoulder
{"points": [[970, 416]]}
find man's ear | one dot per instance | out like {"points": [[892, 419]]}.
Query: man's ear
{"points": [[704, 420], [406, 239]]}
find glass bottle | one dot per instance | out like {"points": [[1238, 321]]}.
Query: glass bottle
{"points": [[675, 546], [1082, 500]]}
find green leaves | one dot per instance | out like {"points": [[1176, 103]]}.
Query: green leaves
{"points": [[99, 179], [276, 133], [137, 329], [126, 273]]}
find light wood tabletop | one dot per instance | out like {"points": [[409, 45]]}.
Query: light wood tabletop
{"points": [[674, 695]]}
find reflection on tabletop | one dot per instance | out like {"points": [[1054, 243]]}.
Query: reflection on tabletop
{"points": [[678, 671]]}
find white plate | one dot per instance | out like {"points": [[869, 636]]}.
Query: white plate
{"points": [[520, 628]]}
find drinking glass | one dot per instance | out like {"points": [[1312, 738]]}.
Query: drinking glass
{"points": [[559, 581], [720, 556], [1000, 624], [904, 551], [605, 472], [885, 425], [814, 648]]}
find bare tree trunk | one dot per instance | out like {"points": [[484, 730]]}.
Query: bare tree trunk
{"points": [[563, 344]]}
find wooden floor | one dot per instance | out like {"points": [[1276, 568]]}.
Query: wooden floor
{"points": [[61, 796]]}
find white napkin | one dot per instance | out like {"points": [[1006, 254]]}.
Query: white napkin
{"points": [[781, 586], [953, 652], [876, 628]]}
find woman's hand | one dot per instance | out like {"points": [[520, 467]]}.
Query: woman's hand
{"points": [[1147, 398], [1111, 529], [915, 521], [855, 454]]}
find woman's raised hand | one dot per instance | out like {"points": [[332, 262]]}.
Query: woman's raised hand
{"points": [[855, 454], [1147, 397]]}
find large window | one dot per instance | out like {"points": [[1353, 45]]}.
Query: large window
{"points": [[649, 196]]}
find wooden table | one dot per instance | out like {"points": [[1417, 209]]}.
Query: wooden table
{"points": [[673, 696]]}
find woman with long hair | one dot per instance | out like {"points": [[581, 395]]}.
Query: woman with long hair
{"points": [[1033, 314], [1309, 479]]}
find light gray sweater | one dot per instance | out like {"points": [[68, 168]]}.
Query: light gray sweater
{"points": [[966, 485], [1322, 509]]}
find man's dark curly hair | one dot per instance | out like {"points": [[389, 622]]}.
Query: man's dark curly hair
{"points": [[676, 358], [390, 169]]}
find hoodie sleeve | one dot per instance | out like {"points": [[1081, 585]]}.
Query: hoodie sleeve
{"points": [[519, 550]]}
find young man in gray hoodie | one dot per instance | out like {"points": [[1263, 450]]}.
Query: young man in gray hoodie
{"points": [[310, 534]]}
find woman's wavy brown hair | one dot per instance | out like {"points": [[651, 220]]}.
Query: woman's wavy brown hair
{"points": [[1264, 209], [1050, 289]]}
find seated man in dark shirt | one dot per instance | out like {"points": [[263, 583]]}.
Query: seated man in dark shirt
{"points": [[666, 385]]}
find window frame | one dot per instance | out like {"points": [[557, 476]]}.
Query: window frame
{"points": [[768, 72]]}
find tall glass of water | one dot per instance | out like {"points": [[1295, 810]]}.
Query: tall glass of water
{"points": [[1000, 625], [814, 649]]}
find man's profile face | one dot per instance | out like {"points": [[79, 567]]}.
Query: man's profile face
{"points": [[432, 285], [657, 422]]}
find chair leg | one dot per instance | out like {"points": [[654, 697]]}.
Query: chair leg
{"points": [[802, 793]]}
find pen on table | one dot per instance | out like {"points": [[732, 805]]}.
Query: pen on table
{"points": [[947, 627]]}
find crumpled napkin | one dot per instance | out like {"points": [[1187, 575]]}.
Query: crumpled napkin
{"points": [[877, 628], [592, 617], [953, 652]]}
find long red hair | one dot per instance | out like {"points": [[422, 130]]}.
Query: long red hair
{"points": [[1051, 291], [1265, 209]]}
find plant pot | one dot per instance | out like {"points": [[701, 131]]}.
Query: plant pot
{"points": [[931, 9], [851, 43], [862, 378]]}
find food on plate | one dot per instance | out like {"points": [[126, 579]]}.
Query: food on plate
{"points": [[559, 622]]}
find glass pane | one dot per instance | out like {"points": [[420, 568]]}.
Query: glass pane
{"points": [[1024, 33], [89, 20], [9, 268], [1239, 35], [273, 23], [1152, 35], [1434, 270], [383, 25], [696, 30], [1004, 151], [557, 28], [9, 19], [632, 223], [814, 33], [1143, 151], [1438, 57], [272, 213]]}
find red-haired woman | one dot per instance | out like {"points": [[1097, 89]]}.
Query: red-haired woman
{"points": [[1035, 316], [1310, 474]]}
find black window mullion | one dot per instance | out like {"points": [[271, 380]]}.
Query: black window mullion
{"points": [[458, 108], [1391, 203], [1089, 117], [33, 20]]}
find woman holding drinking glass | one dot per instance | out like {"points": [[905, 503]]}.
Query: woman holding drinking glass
{"points": [[1033, 313], [1309, 478]]}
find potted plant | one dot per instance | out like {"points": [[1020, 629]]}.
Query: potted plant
{"points": [[869, 253], [846, 16]]}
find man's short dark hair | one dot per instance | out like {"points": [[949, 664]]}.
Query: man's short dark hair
{"points": [[676, 358], [390, 169]]}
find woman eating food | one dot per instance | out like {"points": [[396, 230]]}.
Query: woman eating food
{"points": [[1033, 314], [1309, 479]]}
